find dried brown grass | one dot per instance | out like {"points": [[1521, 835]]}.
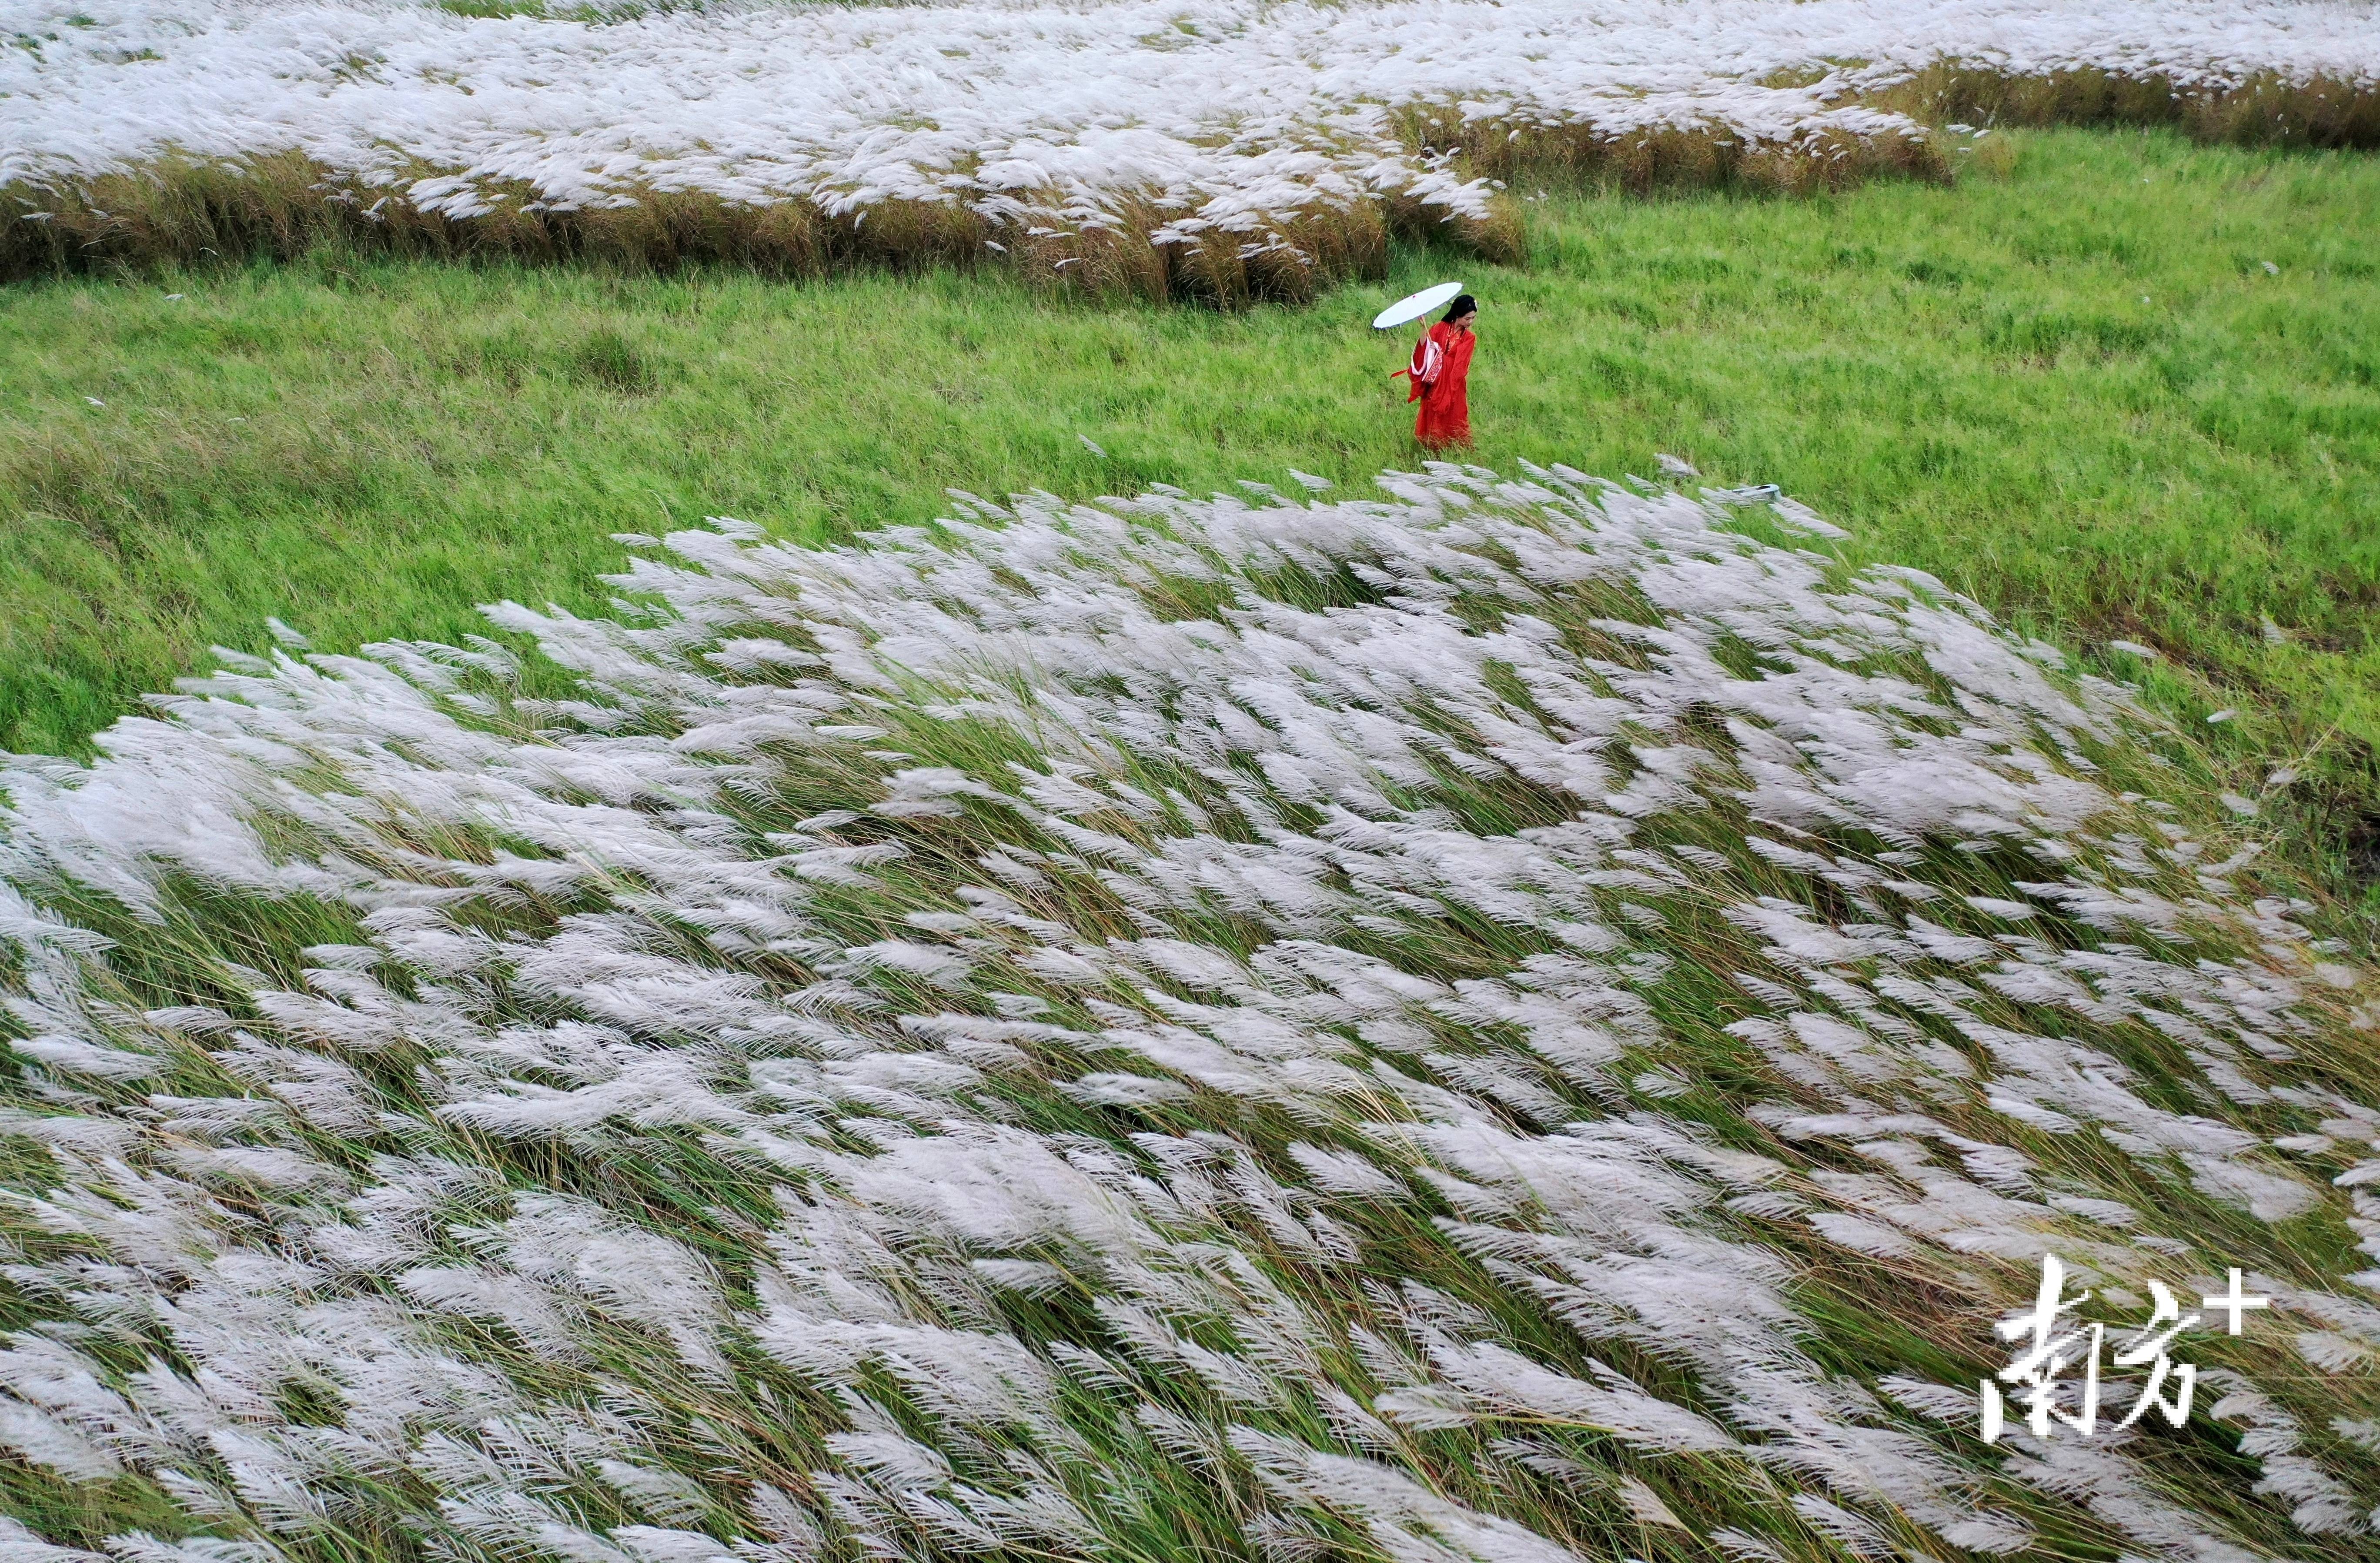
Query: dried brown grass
{"points": [[189, 211], [2264, 110], [184, 210], [1703, 157]]}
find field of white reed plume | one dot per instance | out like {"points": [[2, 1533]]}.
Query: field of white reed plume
{"points": [[1516, 1021], [1214, 148]]}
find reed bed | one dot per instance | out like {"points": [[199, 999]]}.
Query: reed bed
{"points": [[2258, 108], [1518, 1021], [1223, 150]]}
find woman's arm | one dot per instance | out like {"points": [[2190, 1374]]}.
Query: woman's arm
{"points": [[1427, 360]]}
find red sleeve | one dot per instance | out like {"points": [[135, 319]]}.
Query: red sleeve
{"points": [[1429, 357]]}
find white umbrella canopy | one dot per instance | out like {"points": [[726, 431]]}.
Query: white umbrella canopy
{"points": [[1414, 306]]}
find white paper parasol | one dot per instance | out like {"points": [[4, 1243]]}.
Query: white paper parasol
{"points": [[1416, 307]]}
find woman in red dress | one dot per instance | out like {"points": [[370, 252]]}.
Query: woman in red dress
{"points": [[1441, 373]]}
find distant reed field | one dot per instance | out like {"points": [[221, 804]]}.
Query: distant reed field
{"points": [[1218, 149]]}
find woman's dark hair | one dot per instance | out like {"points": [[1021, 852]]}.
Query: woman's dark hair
{"points": [[1463, 305]]}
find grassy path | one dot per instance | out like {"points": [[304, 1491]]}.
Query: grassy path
{"points": [[2132, 390]]}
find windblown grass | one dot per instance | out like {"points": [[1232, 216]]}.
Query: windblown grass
{"points": [[1224, 150], [1511, 1024], [1968, 378], [180, 212], [2263, 108], [183, 212]]}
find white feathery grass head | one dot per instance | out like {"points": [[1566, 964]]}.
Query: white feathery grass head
{"points": [[1346, 1024]]}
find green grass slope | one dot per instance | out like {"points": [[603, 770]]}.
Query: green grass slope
{"points": [[2131, 389]]}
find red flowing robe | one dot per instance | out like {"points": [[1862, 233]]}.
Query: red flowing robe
{"points": [[1442, 376]]}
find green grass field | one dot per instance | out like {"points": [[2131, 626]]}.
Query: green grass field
{"points": [[2131, 389], [550, 1110]]}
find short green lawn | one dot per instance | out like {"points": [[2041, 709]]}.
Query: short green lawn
{"points": [[2131, 391]]}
